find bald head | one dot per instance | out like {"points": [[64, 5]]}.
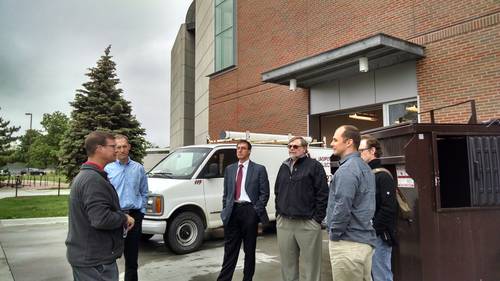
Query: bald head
{"points": [[345, 140]]}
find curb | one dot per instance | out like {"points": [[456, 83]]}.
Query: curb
{"points": [[33, 221], [31, 192]]}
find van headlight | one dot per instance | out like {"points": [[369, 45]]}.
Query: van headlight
{"points": [[154, 205]]}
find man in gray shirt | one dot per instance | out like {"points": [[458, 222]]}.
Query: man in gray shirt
{"points": [[351, 206]]}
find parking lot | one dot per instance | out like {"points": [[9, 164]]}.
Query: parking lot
{"points": [[35, 250]]}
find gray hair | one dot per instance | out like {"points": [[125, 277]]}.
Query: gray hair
{"points": [[303, 142]]}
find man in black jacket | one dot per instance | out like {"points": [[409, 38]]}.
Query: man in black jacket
{"points": [[386, 209], [96, 225], [301, 197]]}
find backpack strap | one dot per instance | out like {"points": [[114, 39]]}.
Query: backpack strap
{"points": [[379, 170], [384, 170], [404, 208]]}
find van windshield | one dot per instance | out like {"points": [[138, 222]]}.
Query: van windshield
{"points": [[180, 164]]}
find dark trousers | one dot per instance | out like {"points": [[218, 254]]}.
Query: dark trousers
{"points": [[242, 227], [131, 250], [104, 272]]}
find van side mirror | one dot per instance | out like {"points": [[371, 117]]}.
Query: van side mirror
{"points": [[212, 171]]}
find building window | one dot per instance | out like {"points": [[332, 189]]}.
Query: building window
{"points": [[224, 34], [400, 112]]}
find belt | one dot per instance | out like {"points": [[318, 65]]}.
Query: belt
{"points": [[242, 203], [130, 211]]}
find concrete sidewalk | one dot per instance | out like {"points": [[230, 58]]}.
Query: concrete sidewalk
{"points": [[33, 221], [35, 250], [6, 192], [5, 273]]}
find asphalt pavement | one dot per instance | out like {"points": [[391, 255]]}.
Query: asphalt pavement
{"points": [[35, 250]]}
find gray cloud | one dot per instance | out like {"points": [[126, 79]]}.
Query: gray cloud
{"points": [[47, 47]]}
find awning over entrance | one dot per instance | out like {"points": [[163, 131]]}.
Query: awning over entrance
{"points": [[381, 50]]}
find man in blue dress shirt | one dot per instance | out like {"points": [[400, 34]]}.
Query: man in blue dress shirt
{"points": [[130, 181]]}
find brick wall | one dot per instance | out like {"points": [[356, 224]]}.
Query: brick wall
{"points": [[266, 108], [462, 63], [462, 55]]}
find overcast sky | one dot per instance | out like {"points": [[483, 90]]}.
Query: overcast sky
{"points": [[46, 47]]}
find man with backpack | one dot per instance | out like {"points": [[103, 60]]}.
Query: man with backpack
{"points": [[386, 209]]}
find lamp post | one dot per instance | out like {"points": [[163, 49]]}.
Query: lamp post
{"points": [[31, 119], [31, 128]]}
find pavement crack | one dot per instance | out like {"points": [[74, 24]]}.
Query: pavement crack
{"points": [[4, 257]]}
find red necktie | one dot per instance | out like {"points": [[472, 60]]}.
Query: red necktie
{"points": [[239, 178]]}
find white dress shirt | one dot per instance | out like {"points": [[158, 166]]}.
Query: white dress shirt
{"points": [[243, 195]]}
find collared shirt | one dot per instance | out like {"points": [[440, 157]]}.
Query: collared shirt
{"points": [[243, 195], [98, 166], [351, 202], [290, 163], [130, 182]]}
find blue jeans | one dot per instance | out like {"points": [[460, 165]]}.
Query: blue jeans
{"points": [[381, 261]]}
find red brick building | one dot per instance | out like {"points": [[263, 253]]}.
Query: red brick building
{"points": [[421, 55]]}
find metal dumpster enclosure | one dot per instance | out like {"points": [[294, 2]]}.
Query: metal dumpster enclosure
{"points": [[450, 176]]}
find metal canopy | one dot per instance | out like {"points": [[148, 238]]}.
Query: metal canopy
{"points": [[381, 50]]}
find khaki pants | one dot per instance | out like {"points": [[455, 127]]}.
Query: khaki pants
{"points": [[351, 261], [299, 238]]}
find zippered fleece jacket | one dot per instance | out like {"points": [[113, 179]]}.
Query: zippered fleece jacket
{"points": [[301, 190], [95, 223]]}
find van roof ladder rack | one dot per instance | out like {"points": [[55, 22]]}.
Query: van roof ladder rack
{"points": [[259, 138]]}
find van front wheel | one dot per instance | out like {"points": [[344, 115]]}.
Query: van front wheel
{"points": [[185, 233]]}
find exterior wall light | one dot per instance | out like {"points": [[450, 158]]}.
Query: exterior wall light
{"points": [[363, 64], [293, 84]]}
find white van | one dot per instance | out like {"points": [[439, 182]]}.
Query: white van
{"points": [[185, 190]]}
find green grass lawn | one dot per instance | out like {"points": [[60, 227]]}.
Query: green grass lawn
{"points": [[47, 177], [34, 207]]}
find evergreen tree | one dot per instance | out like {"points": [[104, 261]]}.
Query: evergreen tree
{"points": [[99, 106], [6, 140]]}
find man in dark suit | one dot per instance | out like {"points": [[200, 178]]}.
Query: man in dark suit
{"points": [[246, 192]]}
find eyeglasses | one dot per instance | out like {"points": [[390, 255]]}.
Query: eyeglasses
{"points": [[363, 149], [110, 145], [294, 146]]}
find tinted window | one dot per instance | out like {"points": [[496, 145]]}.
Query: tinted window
{"points": [[220, 159]]}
